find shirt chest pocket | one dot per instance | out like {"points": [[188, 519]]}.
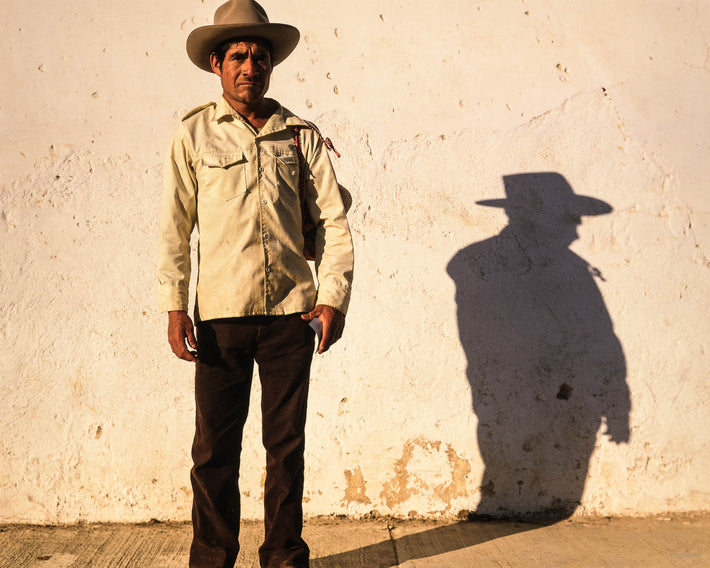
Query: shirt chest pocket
{"points": [[287, 172], [222, 175]]}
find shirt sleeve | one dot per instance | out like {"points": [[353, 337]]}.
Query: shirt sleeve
{"points": [[177, 221], [334, 247]]}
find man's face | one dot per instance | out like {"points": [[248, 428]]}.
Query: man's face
{"points": [[245, 72]]}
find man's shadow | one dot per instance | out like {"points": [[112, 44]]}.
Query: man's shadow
{"points": [[544, 366]]}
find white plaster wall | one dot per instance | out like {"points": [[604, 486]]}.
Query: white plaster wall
{"points": [[431, 104]]}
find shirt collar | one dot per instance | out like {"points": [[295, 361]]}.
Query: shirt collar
{"points": [[279, 120]]}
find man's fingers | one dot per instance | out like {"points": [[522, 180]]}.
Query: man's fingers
{"points": [[325, 338], [332, 331], [333, 324], [191, 337], [325, 342], [182, 352], [330, 338], [180, 330], [188, 334], [339, 327], [189, 356]]}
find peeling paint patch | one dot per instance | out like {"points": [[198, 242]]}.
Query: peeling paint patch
{"points": [[355, 489], [426, 467]]}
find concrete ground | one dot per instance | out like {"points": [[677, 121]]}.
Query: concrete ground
{"points": [[340, 543]]}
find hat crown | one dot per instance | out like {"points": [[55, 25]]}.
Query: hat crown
{"points": [[240, 12]]}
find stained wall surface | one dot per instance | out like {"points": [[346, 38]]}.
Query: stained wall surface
{"points": [[542, 353]]}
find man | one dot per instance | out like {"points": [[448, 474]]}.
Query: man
{"points": [[233, 172]]}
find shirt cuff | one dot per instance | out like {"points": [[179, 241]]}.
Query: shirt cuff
{"points": [[335, 298], [172, 298]]}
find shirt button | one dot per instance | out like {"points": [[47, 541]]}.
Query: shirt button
{"points": [[293, 172], [268, 269], [261, 169], [264, 202]]}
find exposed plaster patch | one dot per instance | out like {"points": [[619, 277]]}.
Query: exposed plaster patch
{"points": [[427, 467], [356, 486]]}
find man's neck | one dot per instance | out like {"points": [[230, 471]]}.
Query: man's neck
{"points": [[256, 114]]}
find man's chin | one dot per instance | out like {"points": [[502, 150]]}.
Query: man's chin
{"points": [[250, 96]]}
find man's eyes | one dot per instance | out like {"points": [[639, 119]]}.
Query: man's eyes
{"points": [[241, 57]]}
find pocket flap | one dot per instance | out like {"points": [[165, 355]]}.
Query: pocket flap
{"points": [[223, 159], [288, 159]]}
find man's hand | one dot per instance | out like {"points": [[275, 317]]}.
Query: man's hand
{"points": [[180, 328], [333, 324]]}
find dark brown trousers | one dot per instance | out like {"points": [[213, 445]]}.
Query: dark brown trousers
{"points": [[282, 347]]}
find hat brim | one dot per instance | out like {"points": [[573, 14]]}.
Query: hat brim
{"points": [[203, 41], [580, 204]]}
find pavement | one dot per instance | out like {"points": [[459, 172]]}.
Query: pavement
{"points": [[682, 542]]}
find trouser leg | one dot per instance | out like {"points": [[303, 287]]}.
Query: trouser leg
{"points": [[222, 384], [284, 354]]}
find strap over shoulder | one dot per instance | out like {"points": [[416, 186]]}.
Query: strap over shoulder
{"points": [[328, 143]]}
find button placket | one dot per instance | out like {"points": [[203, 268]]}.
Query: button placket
{"points": [[265, 233], [260, 174]]}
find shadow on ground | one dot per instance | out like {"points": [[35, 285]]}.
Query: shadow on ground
{"points": [[423, 544]]}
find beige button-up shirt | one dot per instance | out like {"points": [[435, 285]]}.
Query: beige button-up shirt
{"points": [[239, 187]]}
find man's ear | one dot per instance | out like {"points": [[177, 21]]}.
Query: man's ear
{"points": [[216, 66]]}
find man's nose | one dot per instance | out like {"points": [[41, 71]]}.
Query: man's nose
{"points": [[249, 67]]}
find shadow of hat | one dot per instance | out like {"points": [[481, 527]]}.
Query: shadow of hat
{"points": [[545, 193]]}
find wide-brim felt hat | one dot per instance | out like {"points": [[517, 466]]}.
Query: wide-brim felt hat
{"points": [[240, 18], [542, 193]]}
